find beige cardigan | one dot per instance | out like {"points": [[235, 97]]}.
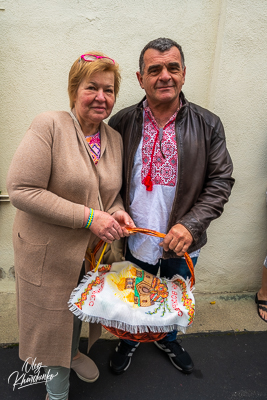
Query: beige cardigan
{"points": [[51, 178]]}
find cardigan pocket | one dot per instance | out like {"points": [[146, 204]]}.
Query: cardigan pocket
{"points": [[29, 260]]}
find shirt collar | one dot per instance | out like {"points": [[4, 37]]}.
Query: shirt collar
{"points": [[147, 109]]}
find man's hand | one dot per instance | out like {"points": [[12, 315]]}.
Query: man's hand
{"points": [[177, 239]]}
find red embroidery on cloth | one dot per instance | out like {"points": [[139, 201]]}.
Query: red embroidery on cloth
{"points": [[163, 170]]}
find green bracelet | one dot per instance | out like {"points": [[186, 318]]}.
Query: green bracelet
{"points": [[90, 218]]}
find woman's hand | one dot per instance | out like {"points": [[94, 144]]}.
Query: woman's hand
{"points": [[106, 227], [124, 220]]}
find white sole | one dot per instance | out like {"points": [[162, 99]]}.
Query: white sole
{"points": [[87, 380]]}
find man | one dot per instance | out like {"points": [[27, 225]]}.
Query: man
{"points": [[177, 177]]}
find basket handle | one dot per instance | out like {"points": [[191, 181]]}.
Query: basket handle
{"points": [[162, 235], [91, 255], [146, 232]]}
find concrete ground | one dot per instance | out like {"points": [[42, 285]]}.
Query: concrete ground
{"points": [[221, 312]]}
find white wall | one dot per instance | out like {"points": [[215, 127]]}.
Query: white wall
{"points": [[225, 52]]}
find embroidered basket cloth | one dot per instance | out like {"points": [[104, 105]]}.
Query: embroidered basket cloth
{"points": [[133, 304]]}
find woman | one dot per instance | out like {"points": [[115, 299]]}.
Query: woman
{"points": [[65, 167]]}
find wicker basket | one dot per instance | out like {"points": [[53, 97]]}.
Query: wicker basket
{"points": [[145, 336], [138, 337]]}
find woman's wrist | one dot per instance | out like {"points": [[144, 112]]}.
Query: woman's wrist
{"points": [[86, 215]]}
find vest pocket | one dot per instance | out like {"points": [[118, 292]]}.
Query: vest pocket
{"points": [[29, 260]]}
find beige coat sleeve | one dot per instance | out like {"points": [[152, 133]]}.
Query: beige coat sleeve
{"points": [[28, 181]]}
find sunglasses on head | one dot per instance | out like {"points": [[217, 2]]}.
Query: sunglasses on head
{"points": [[93, 57]]}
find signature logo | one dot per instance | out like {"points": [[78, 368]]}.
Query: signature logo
{"points": [[29, 375]]}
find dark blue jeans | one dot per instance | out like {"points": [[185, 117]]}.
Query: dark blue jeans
{"points": [[168, 268]]}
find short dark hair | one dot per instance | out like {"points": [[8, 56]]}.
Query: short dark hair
{"points": [[160, 44]]}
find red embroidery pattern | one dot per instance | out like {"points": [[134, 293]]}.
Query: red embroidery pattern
{"points": [[164, 170], [102, 270], [86, 292], [187, 302]]}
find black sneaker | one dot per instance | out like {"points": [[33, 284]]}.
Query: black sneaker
{"points": [[121, 358], [178, 356]]}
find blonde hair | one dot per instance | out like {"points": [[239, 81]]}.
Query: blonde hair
{"points": [[83, 69]]}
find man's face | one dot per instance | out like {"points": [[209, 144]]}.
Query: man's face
{"points": [[163, 76]]}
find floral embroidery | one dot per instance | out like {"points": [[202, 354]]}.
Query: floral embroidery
{"points": [[102, 270], [94, 146], [187, 302], [164, 163]]}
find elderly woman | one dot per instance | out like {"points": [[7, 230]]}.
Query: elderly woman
{"points": [[64, 180]]}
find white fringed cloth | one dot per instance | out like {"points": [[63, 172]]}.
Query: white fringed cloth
{"points": [[125, 297]]}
